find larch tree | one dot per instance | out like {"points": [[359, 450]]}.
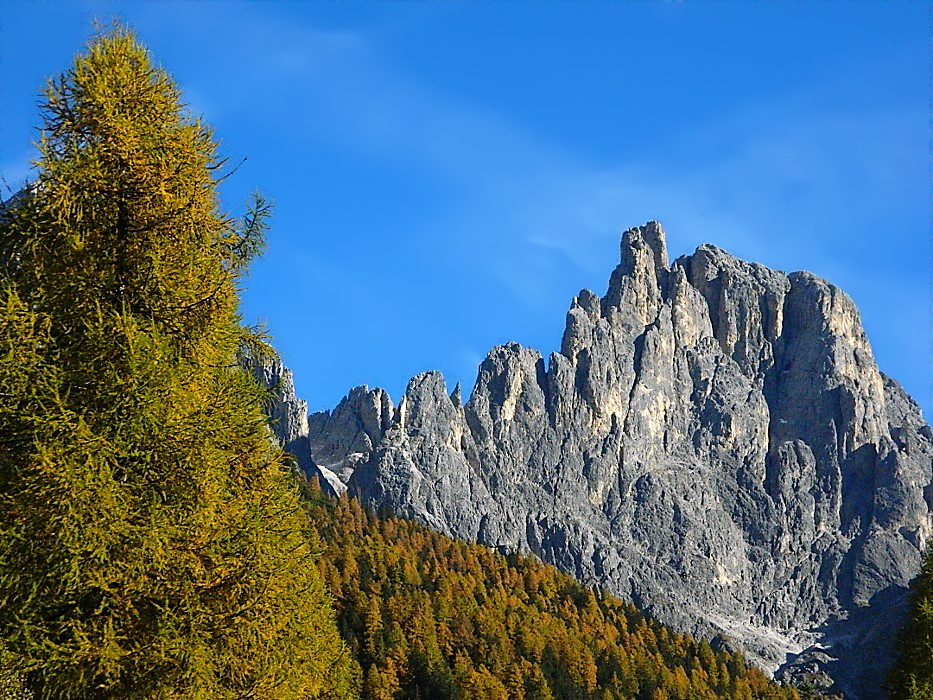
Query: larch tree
{"points": [[912, 677], [152, 543]]}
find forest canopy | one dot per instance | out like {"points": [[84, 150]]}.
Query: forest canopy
{"points": [[431, 617]]}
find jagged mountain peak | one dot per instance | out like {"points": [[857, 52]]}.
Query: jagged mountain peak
{"points": [[714, 441]]}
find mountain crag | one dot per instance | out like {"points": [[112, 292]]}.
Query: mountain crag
{"points": [[714, 441]]}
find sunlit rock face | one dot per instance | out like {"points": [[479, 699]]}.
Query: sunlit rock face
{"points": [[714, 442], [288, 415]]}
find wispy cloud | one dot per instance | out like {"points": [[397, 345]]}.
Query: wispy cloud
{"points": [[778, 168], [782, 181]]}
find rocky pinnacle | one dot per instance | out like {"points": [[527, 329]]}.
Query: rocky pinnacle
{"points": [[714, 442]]}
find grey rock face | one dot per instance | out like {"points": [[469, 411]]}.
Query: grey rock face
{"points": [[288, 415], [714, 442]]}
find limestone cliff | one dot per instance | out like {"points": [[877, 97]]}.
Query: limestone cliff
{"points": [[288, 415], [714, 441]]}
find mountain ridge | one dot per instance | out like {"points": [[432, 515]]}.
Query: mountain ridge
{"points": [[714, 442]]}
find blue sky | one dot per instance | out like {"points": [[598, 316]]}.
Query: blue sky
{"points": [[447, 176]]}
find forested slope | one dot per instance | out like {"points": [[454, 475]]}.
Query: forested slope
{"points": [[432, 617]]}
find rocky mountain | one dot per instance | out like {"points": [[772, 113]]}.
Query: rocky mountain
{"points": [[287, 413], [713, 442]]}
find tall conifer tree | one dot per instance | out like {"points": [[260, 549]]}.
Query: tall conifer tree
{"points": [[912, 678], [151, 539]]}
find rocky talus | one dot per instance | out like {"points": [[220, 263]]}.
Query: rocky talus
{"points": [[714, 441]]}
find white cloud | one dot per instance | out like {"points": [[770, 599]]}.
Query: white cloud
{"points": [[781, 181]]}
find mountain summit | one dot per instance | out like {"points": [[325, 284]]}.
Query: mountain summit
{"points": [[714, 442]]}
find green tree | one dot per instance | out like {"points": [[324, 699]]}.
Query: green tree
{"points": [[152, 544], [12, 686], [912, 678]]}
